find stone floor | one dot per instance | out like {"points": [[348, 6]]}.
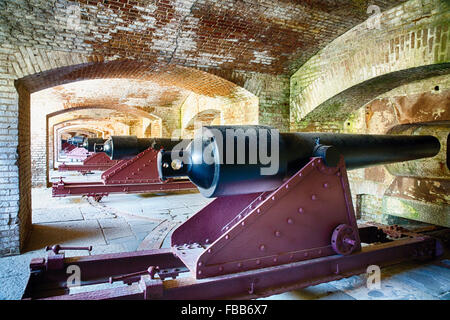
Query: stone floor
{"points": [[122, 223]]}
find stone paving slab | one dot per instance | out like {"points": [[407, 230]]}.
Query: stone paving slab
{"points": [[391, 289], [323, 291], [129, 244], [143, 228], [113, 223], [117, 233], [156, 239], [183, 211], [19, 264], [91, 213], [47, 215], [74, 233], [15, 286], [110, 248]]}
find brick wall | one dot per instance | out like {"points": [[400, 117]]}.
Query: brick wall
{"points": [[271, 90], [10, 217], [20, 231]]}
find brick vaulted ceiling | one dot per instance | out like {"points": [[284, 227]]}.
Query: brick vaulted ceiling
{"points": [[249, 35]]}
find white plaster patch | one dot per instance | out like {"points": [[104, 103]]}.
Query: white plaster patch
{"points": [[262, 57], [171, 36], [205, 59]]}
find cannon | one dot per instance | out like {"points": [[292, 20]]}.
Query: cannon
{"points": [[224, 175], [73, 149], [76, 140], [96, 159], [132, 169], [268, 231], [127, 147]]}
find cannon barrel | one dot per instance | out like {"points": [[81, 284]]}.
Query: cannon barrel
{"points": [[127, 147], [89, 143], [76, 140], [230, 160]]}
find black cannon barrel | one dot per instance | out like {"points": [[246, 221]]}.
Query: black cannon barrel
{"points": [[76, 140], [89, 143], [229, 160], [127, 147]]}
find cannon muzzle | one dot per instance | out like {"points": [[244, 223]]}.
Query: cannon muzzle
{"points": [[127, 147], [89, 143], [98, 147], [230, 160]]}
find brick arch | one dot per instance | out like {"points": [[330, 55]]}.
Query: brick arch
{"points": [[105, 127], [77, 124], [44, 154], [118, 107], [124, 108], [341, 78], [194, 80], [342, 105], [204, 117]]}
